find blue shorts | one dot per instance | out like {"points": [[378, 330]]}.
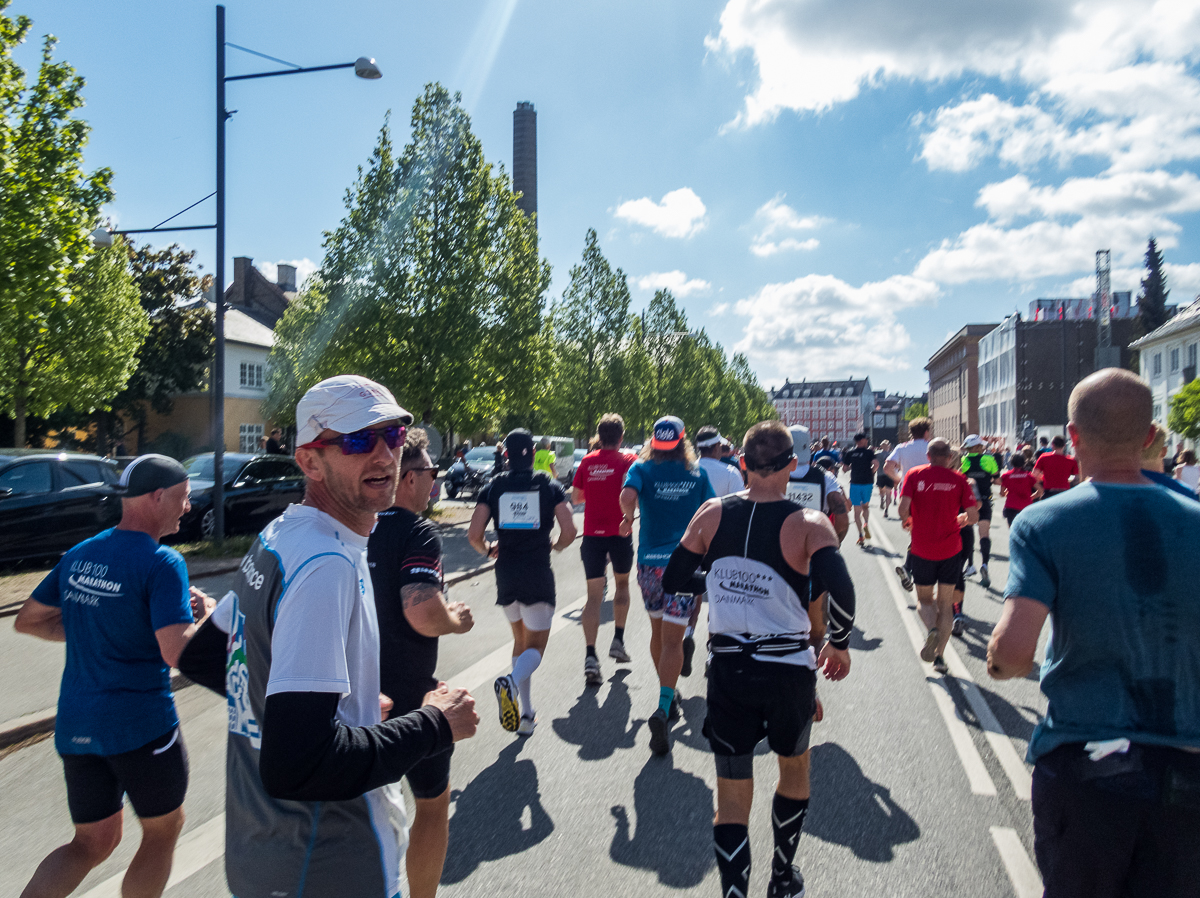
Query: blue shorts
{"points": [[860, 493], [672, 608]]}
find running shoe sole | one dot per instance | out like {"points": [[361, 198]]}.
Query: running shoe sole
{"points": [[689, 649], [959, 625], [617, 652], [509, 701], [984, 580], [939, 665], [866, 531], [906, 579], [592, 675], [660, 743], [929, 650]]}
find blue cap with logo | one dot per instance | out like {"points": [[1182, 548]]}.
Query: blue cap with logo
{"points": [[668, 431]]}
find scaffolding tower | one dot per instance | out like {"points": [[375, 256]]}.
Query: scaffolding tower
{"points": [[1107, 355]]}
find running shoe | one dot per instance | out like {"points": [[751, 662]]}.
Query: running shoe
{"points": [[527, 726], [959, 625], [792, 887], [984, 580], [939, 665], [617, 651], [970, 571], [591, 671], [905, 577], [676, 710], [929, 650], [660, 743], [508, 698], [689, 649], [866, 531], [861, 540]]}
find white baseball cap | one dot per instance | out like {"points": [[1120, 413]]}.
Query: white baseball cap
{"points": [[801, 443], [344, 404], [972, 441]]}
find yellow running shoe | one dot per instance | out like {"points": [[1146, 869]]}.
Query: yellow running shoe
{"points": [[510, 704]]}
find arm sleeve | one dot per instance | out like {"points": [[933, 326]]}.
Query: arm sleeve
{"points": [[170, 601], [308, 643], [307, 755], [47, 592], [203, 657], [681, 576], [829, 567]]}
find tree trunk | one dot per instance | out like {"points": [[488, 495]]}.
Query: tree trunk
{"points": [[19, 413]]}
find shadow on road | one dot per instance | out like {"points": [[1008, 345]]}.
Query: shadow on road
{"points": [[860, 643], [879, 550], [599, 730], [849, 809], [486, 825], [672, 833]]}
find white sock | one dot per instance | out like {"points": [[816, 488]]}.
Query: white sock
{"points": [[523, 667], [688, 631]]}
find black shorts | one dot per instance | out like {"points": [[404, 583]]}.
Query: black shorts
{"points": [[884, 482], [1051, 493], [927, 573], [750, 699], [597, 551], [985, 509], [1010, 513], [527, 583], [430, 776], [155, 777]]}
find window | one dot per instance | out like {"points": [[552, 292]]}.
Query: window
{"points": [[249, 435], [31, 477], [251, 376], [80, 473], [1157, 412], [1174, 360], [1158, 364], [1191, 355]]}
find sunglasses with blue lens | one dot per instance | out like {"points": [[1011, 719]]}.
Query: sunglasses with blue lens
{"points": [[363, 441]]}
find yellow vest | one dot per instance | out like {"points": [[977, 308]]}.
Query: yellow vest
{"points": [[543, 460]]}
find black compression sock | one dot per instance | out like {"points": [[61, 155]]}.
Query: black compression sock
{"points": [[985, 548], [731, 842], [787, 818], [591, 651], [619, 633]]}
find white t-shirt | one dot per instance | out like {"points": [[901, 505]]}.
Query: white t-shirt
{"points": [[725, 479], [910, 454], [831, 486], [1189, 476]]}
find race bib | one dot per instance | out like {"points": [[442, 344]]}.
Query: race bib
{"points": [[520, 511], [807, 494]]}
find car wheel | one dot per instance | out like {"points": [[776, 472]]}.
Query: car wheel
{"points": [[208, 524], [451, 490]]}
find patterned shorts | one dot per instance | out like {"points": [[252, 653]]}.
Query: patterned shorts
{"points": [[674, 609]]}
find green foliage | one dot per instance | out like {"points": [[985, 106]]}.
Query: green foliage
{"points": [[431, 285], [1184, 416], [1152, 298], [69, 320], [916, 410]]}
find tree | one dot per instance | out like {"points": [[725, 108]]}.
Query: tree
{"points": [[1152, 299], [179, 345], [431, 285], [69, 321], [1184, 415], [916, 410]]}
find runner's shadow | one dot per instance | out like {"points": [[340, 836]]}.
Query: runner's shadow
{"points": [[672, 833], [599, 730], [606, 613], [879, 550], [849, 809], [688, 729], [486, 825], [860, 643]]}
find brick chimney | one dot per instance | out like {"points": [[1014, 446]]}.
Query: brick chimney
{"points": [[286, 278], [236, 295]]}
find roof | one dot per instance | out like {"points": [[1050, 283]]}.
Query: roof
{"points": [[970, 330], [790, 390], [241, 328], [1185, 319]]}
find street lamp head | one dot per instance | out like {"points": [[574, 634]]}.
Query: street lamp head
{"points": [[102, 237], [364, 67]]}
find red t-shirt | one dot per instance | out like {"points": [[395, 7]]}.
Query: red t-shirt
{"points": [[938, 495], [1018, 488], [600, 475], [1056, 469]]}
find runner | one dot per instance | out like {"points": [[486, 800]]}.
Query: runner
{"points": [[725, 478], [826, 452], [814, 487], [980, 467], [1057, 469], [310, 803], [930, 498], [1043, 447], [763, 676], [404, 555], [121, 603], [882, 480], [523, 504], [543, 459], [1187, 471], [904, 457], [669, 486], [1113, 564], [860, 462], [598, 482], [1019, 488]]}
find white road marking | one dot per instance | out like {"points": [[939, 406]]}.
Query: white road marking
{"points": [[195, 851], [1021, 870]]}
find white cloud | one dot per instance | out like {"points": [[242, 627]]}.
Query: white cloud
{"points": [[770, 248], [675, 281], [775, 217], [1124, 193], [679, 214], [820, 326], [304, 269], [719, 309]]}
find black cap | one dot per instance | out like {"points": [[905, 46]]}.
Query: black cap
{"points": [[859, 436], [519, 444], [148, 473]]}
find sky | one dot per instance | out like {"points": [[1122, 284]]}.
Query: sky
{"points": [[831, 188]]}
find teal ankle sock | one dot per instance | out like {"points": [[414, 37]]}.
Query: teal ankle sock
{"points": [[665, 694]]}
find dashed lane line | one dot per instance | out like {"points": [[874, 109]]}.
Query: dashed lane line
{"points": [[1021, 871]]}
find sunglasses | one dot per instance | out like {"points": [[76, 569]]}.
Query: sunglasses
{"points": [[416, 470], [363, 441]]}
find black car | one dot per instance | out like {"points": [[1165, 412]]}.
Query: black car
{"points": [[51, 501], [257, 489]]}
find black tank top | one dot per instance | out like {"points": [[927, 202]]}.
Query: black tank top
{"points": [[751, 530]]}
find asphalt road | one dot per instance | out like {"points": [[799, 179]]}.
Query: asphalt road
{"points": [[919, 782]]}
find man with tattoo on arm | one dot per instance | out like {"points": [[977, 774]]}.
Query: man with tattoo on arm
{"points": [[404, 554]]}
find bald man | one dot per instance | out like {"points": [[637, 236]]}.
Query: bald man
{"points": [[1113, 563]]}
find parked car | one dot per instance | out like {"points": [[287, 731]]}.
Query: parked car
{"points": [[564, 455], [51, 501], [579, 454], [257, 490], [471, 478]]}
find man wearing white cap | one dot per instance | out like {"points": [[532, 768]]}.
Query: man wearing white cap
{"points": [[311, 801]]}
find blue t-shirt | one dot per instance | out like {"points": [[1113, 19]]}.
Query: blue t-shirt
{"points": [[669, 494], [1170, 483], [115, 590], [827, 453], [1117, 565]]}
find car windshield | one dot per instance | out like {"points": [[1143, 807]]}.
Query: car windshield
{"points": [[199, 467], [482, 453], [579, 454]]}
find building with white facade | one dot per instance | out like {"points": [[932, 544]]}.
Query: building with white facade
{"points": [[1167, 359], [837, 409]]}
